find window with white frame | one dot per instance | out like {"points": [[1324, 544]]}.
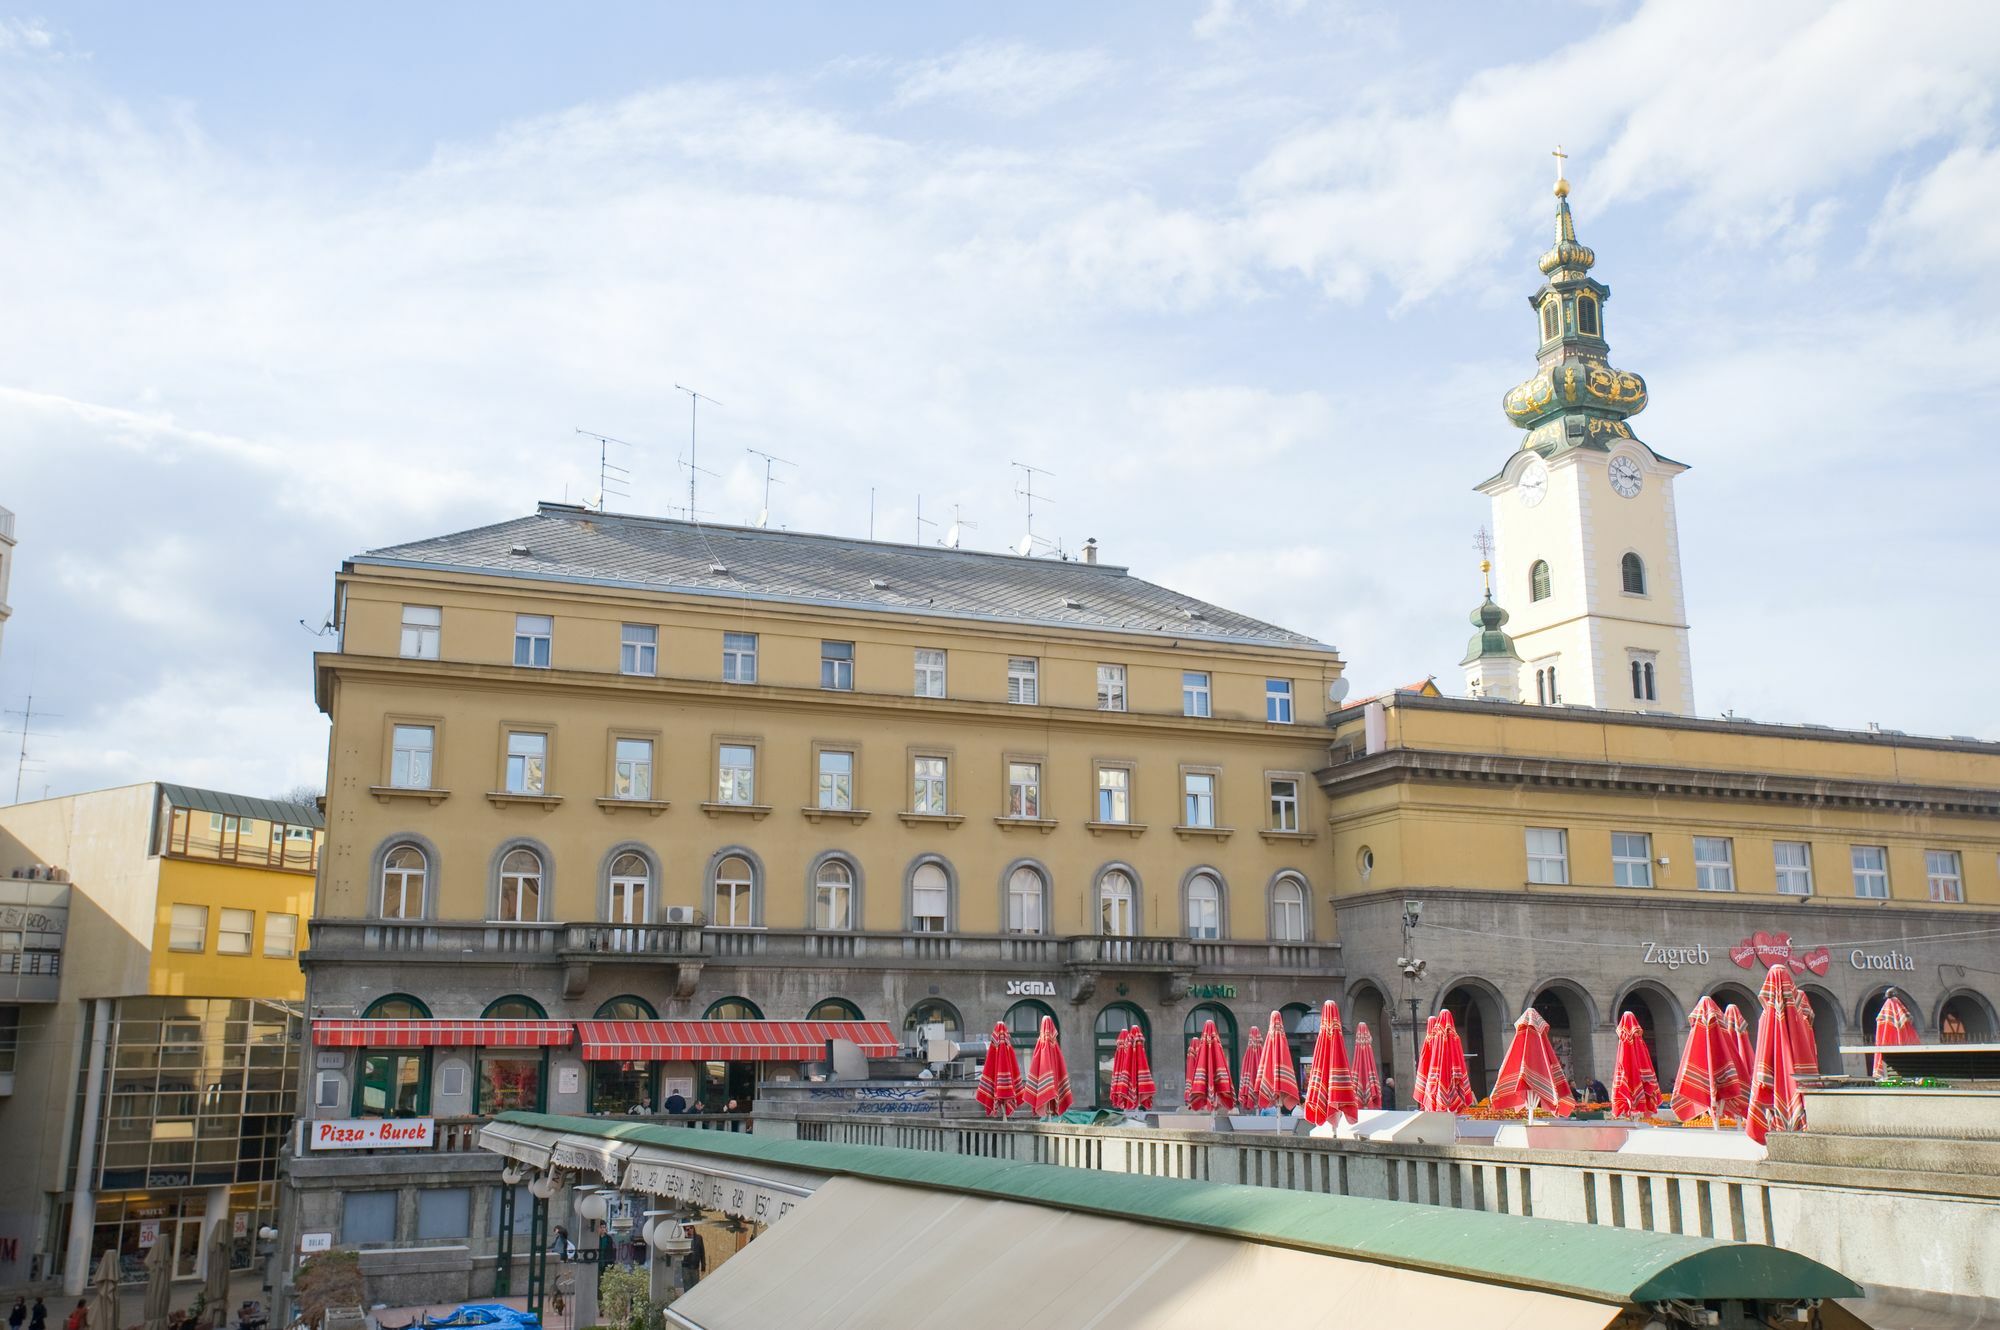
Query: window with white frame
{"points": [[1111, 688], [422, 627], [410, 749], [233, 931], [736, 774], [1024, 789], [930, 672], [1114, 904], [930, 898], [833, 897], [1199, 803], [1714, 863], [1023, 680], [521, 886], [527, 762], [1204, 907], [1871, 871], [1194, 693], [1947, 880], [1288, 910], [1024, 900], [1284, 804], [739, 658], [626, 889], [1548, 855], [836, 780], [187, 929], [639, 649], [1793, 861], [1631, 859], [733, 886], [534, 635], [281, 935], [928, 786], [632, 769], [1278, 701], [836, 666], [404, 870], [1114, 794]]}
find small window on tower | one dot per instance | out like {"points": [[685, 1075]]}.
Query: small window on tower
{"points": [[1633, 569], [1586, 315], [1538, 580], [1551, 319]]}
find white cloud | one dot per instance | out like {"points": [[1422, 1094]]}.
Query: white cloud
{"points": [[1005, 77], [1944, 222]]}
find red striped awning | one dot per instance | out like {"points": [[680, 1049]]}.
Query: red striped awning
{"points": [[441, 1034], [728, 1041]]}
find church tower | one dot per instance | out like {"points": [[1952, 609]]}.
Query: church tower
{"points": [[1583, 513]]}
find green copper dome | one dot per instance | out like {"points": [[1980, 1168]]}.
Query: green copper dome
{"points": [[1490, 641]]}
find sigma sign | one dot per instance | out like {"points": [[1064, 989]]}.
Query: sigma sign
{"points": [[1030, 988]]}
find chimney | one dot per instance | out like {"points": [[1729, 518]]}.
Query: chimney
{"points": [[1090, 550]]}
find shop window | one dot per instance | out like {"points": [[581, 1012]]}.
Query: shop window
{"points": [[509, 1080], [367, 1218], [444, 1212], [393, 1083], [621, 1087], [1024, 1025], [626, 1008], [932, 1011], [834, 1009], [514, 1008], [733, 1009]]}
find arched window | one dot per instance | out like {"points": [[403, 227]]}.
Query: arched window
{"points": [[506, 1078], [732, 1009], [404, 871], [1586, 314], [631, 878], [833, 897], [1633, 569], [735, 893], [514, 1007], [521, 886], [933, 1011], [1113, 1021], [1026, 890], [1538, 580], [1288, 910], [1204, 906], [1114, 904], [396, 1007], [930, 898], [1551, 319], [834, 1009], [627, 1008], [393, 1082], [1024, 1024]]}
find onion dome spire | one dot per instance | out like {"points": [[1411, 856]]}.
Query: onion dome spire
{"points": [[1489, 641]]}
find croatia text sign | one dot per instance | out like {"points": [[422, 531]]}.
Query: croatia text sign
{"points": [[374, 1134]]}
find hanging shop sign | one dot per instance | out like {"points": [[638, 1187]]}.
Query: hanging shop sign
{"points": [[1030, 988], [1213, 990], [1763, 949], [374, 1134]]}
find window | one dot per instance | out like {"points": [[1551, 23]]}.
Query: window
{"points": [[533, 634], [1946, 881], [527, 762], [410, 756], [1204, 907], [1551, 319], [403, 873], [739, 658], [1714, 863], [367, 1217], [508, 1081], [632, 769], [1114, 794], [1631, 859], [1538, 580], [421, 627], [1024, 789], [392, 1083], [281, 935], [1200, 801], [930, 672], [736, 774], [520, 886], [836, 780], [1586, 315], [189, 928], [1632, 569], [639, 649], [1871, 871], [1024, 901], [1194, 693], [1793, 861], [1110, 687], [444, 1212], [836, 666], [1288, 911], [1114, 904], [1545, 686], [233, 930], [1642, 679], [833, 897], [930, 898], [1284, 805], [1022, 678], [927, 786], [1278, 701], [625, 897], [733, 885], [1548, 855]]}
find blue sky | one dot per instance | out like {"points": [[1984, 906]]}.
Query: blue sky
{"points": [[277, 286]]}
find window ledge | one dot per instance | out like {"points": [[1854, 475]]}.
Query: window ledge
{"points": [[506, 798], [855, 815], [931, 819], [1042, 824], [612, 804], [1132, 829], [388, 792], [1204, 833], [756, 812], [1273, 835]]}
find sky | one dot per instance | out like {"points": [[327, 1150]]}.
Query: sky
{"points": [[1247, 278]]}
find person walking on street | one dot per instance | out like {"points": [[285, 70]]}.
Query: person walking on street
{"points": [[1388, 1092], [38, 1317], [696, 1259], [17, 1316], [79, 1316]]}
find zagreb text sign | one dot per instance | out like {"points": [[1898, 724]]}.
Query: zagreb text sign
{"points": [[374, 1134]]}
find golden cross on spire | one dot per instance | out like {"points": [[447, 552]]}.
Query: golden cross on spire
{"points": [[1484, 544], [1562, 185]]}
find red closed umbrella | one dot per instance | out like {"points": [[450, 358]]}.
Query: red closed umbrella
{"points": [[1805, 1041], [1452, 1078], [1635, 1086], [1195, 1096], [1330, 1086], [999, 1091], [1741, 1053], [1776, 1103], [1121, 1071], [1423, 1088], [1530, 1076], [1367, 1075], [1046, 1090], [1277, 1083], [1708, 1081], [1249, 1095], [1143, 1088], [1221, 1084], [1893, 1026]]}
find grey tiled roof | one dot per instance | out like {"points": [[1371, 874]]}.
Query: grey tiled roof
{"points": [[569, 544]]}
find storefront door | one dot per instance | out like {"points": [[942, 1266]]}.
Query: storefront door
{"points": [[187, 1248]]}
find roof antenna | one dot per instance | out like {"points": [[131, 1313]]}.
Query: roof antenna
{"points": [[695, 400], [609, 473], [764, 513], [921, 523], [1025, 488], [27, 715], [956, 531]]}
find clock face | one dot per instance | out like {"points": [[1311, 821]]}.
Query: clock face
{"points": [[1534, 484], [1625, 477]]}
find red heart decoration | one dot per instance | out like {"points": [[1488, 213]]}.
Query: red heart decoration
{"points": [[1772, 948], [1817, 960], [1744, 953]]}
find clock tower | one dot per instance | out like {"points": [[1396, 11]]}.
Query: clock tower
{"points": [[1587, 551]]}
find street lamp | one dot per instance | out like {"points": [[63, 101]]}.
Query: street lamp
{"points": [[1413, 969]]}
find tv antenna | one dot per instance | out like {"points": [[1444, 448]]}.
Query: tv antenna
{"points": [[1025, 488], [27, 714], [921, 523], [695, 399], [955, 532], [609, 473], [770, 459]]}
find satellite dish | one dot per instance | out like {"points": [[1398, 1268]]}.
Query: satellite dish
{"points": [[1336, 692], [1026, 545], [763, 517], [951, 537]]}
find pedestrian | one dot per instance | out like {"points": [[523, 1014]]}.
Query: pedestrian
{"points": [[560, 1244], [1598, 1094], [1388, 1092], [677, 1103], [18, 1315], [38, 1318], [79, 1316], [696, 1260]]}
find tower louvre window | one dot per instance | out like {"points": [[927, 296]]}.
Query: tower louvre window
{"points": [[1551, 319], [1538, 580], [1632, 569], [1586, 315]]}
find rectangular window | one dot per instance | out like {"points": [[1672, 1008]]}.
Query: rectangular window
{"points": [[1200, 790], [392, 1085], [928, 893], [836, 780], [233, 930], [410, 756], [836, 666], [1548, 855], [1714, 863], [281, 935], [739, 658], [1278, 701], [733, 902], [444, 1212], [632, 769], [524, 1212], [927, 786], [422, 625], [1114, 794], [367, 1218], [189, 930], [1793, 861], [527, 762], [1871, 871], [639, 649], [1284, 805], [1024, 789], [1947, 882], [930, 672], [1631, 859], [533, 634], [1194, 693], [1024, 901], [736, 779], [508, 1082], [1022, 678], [1110, 687]]}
